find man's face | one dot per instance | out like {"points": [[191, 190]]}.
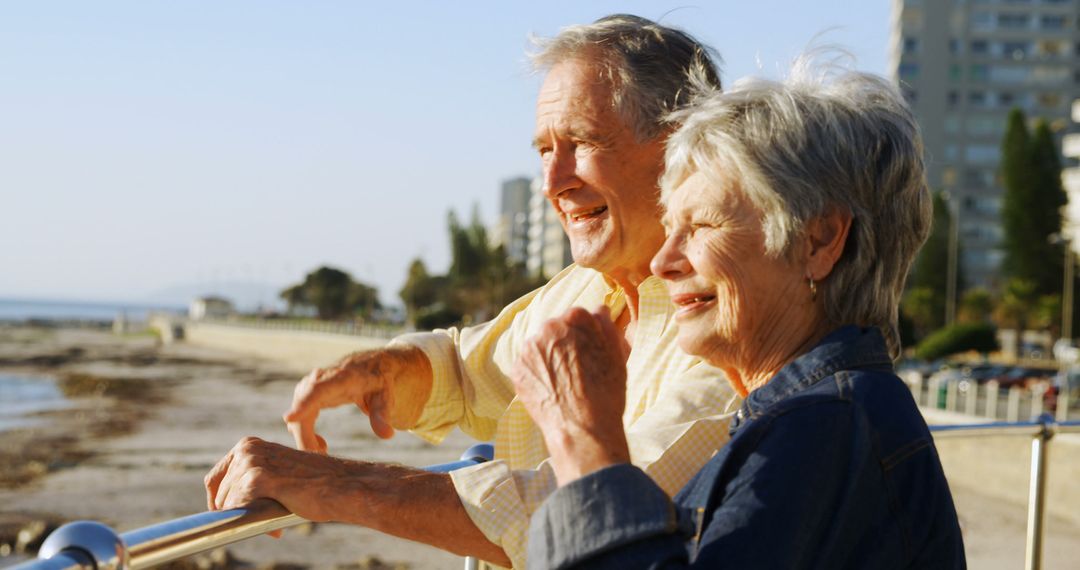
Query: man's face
{"points": [[600, 179]]}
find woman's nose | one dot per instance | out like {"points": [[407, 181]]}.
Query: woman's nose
{"points": [[670, 262]]}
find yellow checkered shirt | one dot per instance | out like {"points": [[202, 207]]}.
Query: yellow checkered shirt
{"points": [[677, 406]]}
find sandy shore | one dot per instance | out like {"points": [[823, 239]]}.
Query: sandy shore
{"points": [[149, 422]]}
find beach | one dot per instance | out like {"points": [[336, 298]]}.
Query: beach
{"points": [[145, 422]]}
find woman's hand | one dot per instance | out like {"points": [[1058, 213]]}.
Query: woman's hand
{"points": [[571, 377]]}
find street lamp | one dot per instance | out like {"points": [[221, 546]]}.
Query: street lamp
{"points": [[1067, 286], [951, 273]]}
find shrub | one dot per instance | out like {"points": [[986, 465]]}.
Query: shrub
{"points": [[958, 338]]}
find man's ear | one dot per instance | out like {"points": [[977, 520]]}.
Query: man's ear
{"points": [[827, 235]]}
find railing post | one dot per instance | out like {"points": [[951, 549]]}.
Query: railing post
{"points": [[972, 401], [992, 390], [952, 393], [1036, 400], [1037, 493], [1063, 403], [1012, 413]]}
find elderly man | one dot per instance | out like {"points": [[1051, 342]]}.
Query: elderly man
{"points": [[600, 133]]}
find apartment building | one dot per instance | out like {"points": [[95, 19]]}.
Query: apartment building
{"points": [[963, 65]]}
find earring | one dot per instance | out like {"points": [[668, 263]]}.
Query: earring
{"points": [[813, 289]]}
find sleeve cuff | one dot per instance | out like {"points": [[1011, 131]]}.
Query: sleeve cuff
{"points": [[444, 406], [605, 509], [490, 496]]}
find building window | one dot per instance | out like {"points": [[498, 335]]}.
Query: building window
{"points": [[982, 21], [956, 72], [954, 46], [909, 70], [1006, 99], [1009, 74], [1015, 50], [948, 176], [1052, 22], [1050, 74], [978, 178], [1048, 100], [1013, 20], [1051, 48], [979, 72], [985, 126], [977, 99], [980, 47], [982, 153], [911, 45], [953, 98]]}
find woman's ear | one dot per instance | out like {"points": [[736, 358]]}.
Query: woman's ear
{"points": [[827, 235]]}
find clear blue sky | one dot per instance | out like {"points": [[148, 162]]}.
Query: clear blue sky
{"points": [[145, 144]]}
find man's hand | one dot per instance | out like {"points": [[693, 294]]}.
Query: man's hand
{"points": [[390, 385], [402, 501], [571, 377], [257, 469]]}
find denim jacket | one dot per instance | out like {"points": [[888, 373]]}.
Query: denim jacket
{"points": [[830, 465]]}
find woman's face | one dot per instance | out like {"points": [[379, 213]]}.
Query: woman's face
{"points": [[730, 298]]}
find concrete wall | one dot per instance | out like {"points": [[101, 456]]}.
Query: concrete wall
{"points": [[1000, 466], [299, 350]]}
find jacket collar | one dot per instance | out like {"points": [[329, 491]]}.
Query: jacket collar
{"points": [[845, 348]]}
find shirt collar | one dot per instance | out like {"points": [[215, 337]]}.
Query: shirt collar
{"points": [[845, 348]]}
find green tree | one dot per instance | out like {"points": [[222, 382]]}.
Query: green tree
{"points": [[333, 294], [1017, 304], [419, 290], [976, 306], [931, 269], [1031, 205], [925, 307]]}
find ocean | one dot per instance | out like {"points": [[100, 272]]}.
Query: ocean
{"points": [[22, 395], [19, 310]]}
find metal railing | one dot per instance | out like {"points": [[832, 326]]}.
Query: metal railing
{"points": [[1041, 431], [91, 545]]}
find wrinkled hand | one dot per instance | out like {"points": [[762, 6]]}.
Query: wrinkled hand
{"points": [[301, 481], [571, 377], [367, 380]]}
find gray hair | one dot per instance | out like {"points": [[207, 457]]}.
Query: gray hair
{"points": [[650, 67], [824, 138]]}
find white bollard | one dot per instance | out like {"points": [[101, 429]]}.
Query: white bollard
{"points": [[1012, 412], [1063, 405], [952, 392], [932, 393], [972, 398], [991, 410], [1037, 392]]}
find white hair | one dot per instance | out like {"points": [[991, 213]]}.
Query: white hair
{"points": [[825, 137], [648, 65]]}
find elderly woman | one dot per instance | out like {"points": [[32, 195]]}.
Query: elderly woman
{"points": [[793, 212]]}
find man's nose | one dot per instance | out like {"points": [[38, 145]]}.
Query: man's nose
{"points": [[560, 173], [670, 262]]}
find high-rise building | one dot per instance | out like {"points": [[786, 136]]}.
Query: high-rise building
{"points": [[549, 248], [963, 65], [512, 227]]}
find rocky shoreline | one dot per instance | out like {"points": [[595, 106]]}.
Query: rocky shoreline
{"points": [[146, 423]]}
